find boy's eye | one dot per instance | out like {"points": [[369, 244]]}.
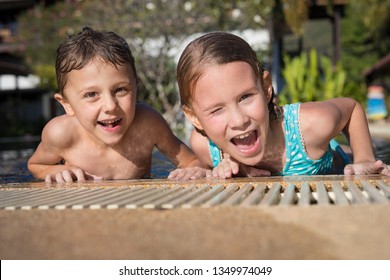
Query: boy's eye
{"points": [[90, 94], [121, 90]]}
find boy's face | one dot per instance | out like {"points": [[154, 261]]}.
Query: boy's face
{"points": [[230, 106], [102, 98]]}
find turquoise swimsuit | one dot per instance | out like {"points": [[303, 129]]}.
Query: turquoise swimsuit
{"points": [[297, 160]]}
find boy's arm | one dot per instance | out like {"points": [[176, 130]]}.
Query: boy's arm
{"points": [[188, 165], [200, 146], [45, 164]]}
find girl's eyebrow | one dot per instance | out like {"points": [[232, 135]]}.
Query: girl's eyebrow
{"points": [[250, 89], [212, 106]]}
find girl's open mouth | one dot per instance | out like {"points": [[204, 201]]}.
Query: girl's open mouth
{"points": [[245, 142]]}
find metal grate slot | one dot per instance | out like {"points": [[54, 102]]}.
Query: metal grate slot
{"points": [[339, 194], [253, 194]]}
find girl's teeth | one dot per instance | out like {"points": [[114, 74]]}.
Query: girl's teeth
{"points": [[242, 136]]}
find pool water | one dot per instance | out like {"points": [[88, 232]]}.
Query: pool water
{"points": [[13, 162], [382, 149], [13, 166]]}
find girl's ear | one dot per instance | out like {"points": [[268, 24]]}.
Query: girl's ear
{"points": [[267, 85], [65, 104], [192, 117]]}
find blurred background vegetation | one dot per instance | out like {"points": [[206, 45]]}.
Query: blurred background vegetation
{"points": [[155, 30]]}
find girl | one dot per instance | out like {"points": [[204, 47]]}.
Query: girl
{"points": [[241, 130]]}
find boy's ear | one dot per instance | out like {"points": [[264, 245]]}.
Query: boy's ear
{"points": [[65, 104], [191, 117], [267, 85]]}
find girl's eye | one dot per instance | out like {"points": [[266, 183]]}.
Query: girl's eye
{"points": [[245, 96], [216, 111]]}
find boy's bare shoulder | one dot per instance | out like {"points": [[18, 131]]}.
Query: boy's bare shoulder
{"points": [[151, 124], [144, 110], [59, 131], [147, 116]]}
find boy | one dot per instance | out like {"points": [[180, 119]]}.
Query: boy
{"points": [[104, 134]]}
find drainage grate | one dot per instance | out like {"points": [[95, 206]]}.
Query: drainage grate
{"points": [[253, 194]]}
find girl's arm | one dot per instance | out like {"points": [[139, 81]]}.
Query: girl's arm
{"points": [[325, 120], [358, 134]]}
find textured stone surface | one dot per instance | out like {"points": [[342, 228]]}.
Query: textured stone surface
{"points": [[275, 232]]}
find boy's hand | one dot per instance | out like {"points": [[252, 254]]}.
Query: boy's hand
{"points": [[70, 175], [189, 173], [365, 168]]}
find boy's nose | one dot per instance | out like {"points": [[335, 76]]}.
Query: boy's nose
{"points": [[110, 103]]}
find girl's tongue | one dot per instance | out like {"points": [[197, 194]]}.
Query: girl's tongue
{"points": [[245, 141]]}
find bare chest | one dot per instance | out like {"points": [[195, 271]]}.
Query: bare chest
{"points": [[111, 164]]}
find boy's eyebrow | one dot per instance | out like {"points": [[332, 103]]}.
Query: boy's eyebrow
{"points": [[85, 89]]}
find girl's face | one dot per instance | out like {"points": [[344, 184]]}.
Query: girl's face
{"points": [[102, 98], [229, 104]]}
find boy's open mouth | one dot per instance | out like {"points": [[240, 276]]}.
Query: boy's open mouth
{"points": [[245, 141], [110, 123]]}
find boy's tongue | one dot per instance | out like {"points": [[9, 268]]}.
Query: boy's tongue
{"points": [[245, 142]]}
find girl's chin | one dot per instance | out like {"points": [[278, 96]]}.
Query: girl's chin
{"points": [[247, 160]]}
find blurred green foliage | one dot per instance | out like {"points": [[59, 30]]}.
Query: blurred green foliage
{"points": [[312, 77], [365, 36], [155, 29], [47, 74]]}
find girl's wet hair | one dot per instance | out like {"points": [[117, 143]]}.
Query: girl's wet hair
{"points": [[217, 48], [78, 50]]}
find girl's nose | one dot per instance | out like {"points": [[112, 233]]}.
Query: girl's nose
{"points": [[238, 119]]}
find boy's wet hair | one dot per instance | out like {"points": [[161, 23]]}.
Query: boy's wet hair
{"points": [[78, 50], [217, 48]]}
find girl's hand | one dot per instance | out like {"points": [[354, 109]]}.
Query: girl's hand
{"points": [[229, 167], [365, 168], [226, 169], [189, 173], [70, 175]]}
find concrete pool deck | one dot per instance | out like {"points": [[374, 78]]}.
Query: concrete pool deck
{"points": [[353, 231], [380, 129]]}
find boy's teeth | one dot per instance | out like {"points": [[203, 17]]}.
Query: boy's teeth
{"points": [[109, 122]]}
